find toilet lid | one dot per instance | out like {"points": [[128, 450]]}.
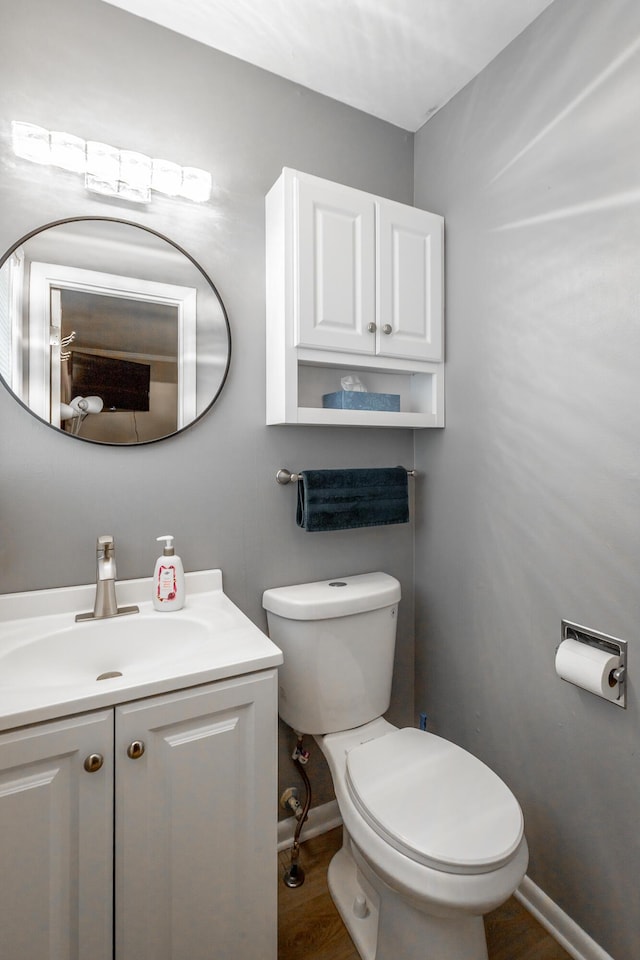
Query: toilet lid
{"points": [[434, 802]]}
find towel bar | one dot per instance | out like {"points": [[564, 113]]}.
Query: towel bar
{"points": [[285, 476]]}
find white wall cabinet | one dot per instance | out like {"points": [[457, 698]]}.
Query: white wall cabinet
{"points": [[354, 285], [188, 782]]}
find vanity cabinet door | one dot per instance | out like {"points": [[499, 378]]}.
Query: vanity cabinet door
{"points": [[196, 823], [56, 840]]}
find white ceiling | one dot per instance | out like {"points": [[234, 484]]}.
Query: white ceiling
{"points": [[399, 60]]}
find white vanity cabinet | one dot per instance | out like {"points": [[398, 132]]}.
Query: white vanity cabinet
{"points": [[354, 286], [185, 782]]}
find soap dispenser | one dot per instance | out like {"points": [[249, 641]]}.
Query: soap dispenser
{"points": [[168, 578]]}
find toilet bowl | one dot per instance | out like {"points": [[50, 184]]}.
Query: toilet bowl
{"points": [[433, 839]]}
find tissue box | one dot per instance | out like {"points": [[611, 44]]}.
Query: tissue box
{"points": [[355, 400]]}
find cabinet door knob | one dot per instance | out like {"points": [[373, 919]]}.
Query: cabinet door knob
{"points": [[135, 749], [93, 762], [387, 329], [372, 327]]}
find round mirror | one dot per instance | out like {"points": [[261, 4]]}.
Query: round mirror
{"points": [[109, 332]]}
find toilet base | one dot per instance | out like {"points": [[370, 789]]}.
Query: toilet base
{"points": [[385, 926], [345, 885]]}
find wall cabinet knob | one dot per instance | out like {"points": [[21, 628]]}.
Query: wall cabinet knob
{"points": [[93, 762], [372, 327], [387, 329], [135, 749]]}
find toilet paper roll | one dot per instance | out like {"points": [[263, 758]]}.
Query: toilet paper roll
{"points": [[588, 667]]}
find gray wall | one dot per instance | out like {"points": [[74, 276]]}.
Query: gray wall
{"points": [[531, 502], [93, 70]]}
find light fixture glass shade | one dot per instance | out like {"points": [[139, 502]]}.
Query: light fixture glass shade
{"points": [[103, 160], [196, 184], [30, 142], [166, 177], [85, 405], [94, 404], [135, 176], [103, 168], [68, 152]]}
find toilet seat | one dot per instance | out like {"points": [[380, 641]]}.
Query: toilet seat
{"points": [[434, 802]]}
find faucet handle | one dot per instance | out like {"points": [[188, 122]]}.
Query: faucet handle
{"points": [[105, 544]]}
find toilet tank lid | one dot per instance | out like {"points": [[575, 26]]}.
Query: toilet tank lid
{"points": [[338, 597]]}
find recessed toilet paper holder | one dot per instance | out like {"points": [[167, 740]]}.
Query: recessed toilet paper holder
{"points": [[602, 641]]}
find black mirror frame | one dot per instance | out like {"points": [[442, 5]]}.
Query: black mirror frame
{"points": [[159, 236]]}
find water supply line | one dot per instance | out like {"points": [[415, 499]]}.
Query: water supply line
{"points": [[294, 874]]}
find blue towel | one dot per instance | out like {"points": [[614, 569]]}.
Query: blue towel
{"points": [[343, 499]]}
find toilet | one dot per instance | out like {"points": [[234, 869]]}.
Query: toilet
{"points": [[433, 839]]}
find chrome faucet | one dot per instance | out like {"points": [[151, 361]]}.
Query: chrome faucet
{"points": [[106, 604]]}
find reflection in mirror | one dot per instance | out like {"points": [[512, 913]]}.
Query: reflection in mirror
{"points": [[110, 332]]}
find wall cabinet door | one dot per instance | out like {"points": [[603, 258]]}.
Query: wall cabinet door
{"points": [[409, 294], [195, 824], [56, 839], [335, 283]]}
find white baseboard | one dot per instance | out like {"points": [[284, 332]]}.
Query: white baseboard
{"points": [[562, 928], [321, 819], [559, 924]]}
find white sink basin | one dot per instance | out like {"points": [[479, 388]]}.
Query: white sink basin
{"points": [[85, 652], [52, 666]]}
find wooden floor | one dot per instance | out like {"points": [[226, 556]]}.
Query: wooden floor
{"points": [[310, 928]]}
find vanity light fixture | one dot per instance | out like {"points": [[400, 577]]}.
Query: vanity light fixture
{"points": [[109, 170]]}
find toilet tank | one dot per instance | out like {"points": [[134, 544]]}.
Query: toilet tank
{"points": [[338, 640]]}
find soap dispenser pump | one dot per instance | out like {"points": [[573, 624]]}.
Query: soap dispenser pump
{"points": [[168, 578]]}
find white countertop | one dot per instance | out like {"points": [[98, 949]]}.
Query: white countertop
{"points": [[233, 646]]}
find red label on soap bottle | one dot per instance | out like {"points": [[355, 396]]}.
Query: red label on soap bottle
{"points": [[166, 586]]}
